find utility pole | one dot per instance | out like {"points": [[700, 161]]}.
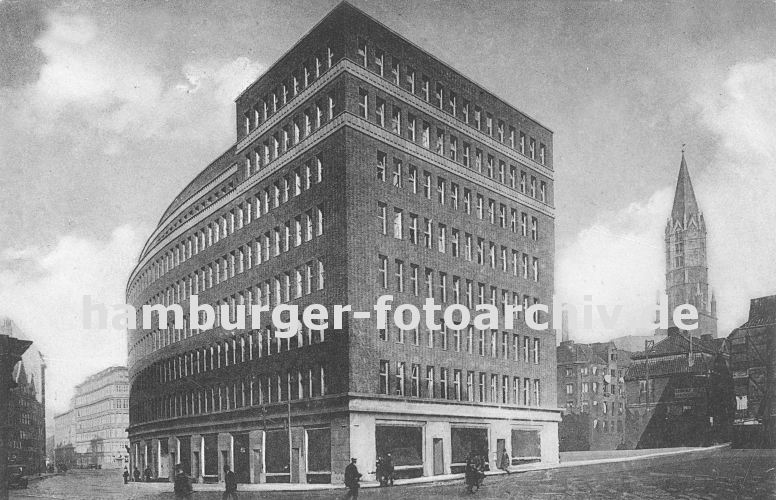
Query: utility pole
{"points": [[11, 350]]}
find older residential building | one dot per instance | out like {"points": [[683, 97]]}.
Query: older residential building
{"points": [[679, 393], [362, 166], [101, 407], [65, 439], [591, 390], [26, 411], [753, 363]]}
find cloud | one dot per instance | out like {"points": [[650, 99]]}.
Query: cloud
{"points": [[22, 23], [620, 258], [93, 83], [42, 291]]}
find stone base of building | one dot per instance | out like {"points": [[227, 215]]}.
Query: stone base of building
{"points": [[424, 438]]}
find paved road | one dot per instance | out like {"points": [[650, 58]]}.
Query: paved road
{"points": [[723, 474]]}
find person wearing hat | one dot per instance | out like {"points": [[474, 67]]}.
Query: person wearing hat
{"points": [[352, 477]]}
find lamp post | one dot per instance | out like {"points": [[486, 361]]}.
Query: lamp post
{"points": [[11, 350]]}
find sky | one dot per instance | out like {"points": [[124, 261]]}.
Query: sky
{"points": [[110, 108]]}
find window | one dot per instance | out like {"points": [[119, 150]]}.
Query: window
{"points": [[522, 143], [537, 393], [453, 148], [382, 272], [542, 154], [489, 124], [430, 385], [440, 142], [400, 378], [466, 153], [397, 173], [443, 383], [465, 111], [532, 148], [569, 389], [426, 137], [536, 351], [442, 240], [381, 160], [415, 381], [399, 275], [384, 376], [543, 191], [413, 177], [411, 79], [425, 88], [467, 198], [380, 62], [457, 385], [397, 223], [535, 268], [439, 94], [413, 229], [380, 112], [411, 128], [414, 279], [395, 70], [478, 118], [500, 131], [534, 228], [427, 184], [363, 103], [396, 120], [441, 190]]}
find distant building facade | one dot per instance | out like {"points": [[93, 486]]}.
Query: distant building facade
{"points": [[679, 393], [687, 271], [65, 439], [753, 363], [362, 166], [101, 416], [592, 393]]}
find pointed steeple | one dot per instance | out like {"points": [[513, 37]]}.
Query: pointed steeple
{"points": [[685, 205]]}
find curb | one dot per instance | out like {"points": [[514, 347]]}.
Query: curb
{"points": [[447, 478]]}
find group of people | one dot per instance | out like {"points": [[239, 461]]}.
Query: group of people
{"points": [[183, 489], [136, 475], [384, 470]]}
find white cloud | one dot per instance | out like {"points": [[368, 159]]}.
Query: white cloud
{"points": [[42, 290], [620, 258], [91, 81]]}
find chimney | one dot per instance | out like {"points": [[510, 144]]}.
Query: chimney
{"points": [[564, 326]]}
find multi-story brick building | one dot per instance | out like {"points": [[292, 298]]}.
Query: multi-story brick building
{"points": [[753, 363], [101, 417], [363, 166], [591, 389]]}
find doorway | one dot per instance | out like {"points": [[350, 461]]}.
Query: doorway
{"points": [[439, 457]]}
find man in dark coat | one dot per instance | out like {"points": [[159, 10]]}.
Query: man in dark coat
{"points": [[231, 484], [126, 475], [388, 469], [136, 474], [352, 476], [182, 484]]}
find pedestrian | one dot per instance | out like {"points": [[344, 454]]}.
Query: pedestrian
{"points": [[470, 475], [136, 473], [352, 476], [380, 470], [182, 485], [148, 474], [126, 476], [388, 469], [231, 484], [505, 462]]}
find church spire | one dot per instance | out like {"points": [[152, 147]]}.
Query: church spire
{"points": [[685, 205]]}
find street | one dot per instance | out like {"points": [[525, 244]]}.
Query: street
{"points": [[724, 474]]}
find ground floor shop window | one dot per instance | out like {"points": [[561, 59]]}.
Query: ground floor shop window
{"points": [[211, 457], [184, 442], [277, 456], [468, 442], [319, 456], [405, 444], [526, 446]]}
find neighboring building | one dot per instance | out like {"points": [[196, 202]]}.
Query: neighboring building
{"points": [[591, 390], [26, 417], [65, 439], [753, 363], [101, 407], [687, 272], [679, 393], [363, 166]]}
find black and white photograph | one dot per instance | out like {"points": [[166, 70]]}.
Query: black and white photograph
{"points": [[387, 249]]}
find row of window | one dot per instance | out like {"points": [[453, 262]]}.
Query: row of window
{"points": [[301, 229], [473, 248], [284, 287], [593, 387], [252, 208], [420, 131], [289, 135], [292, 86], [595, 370], [486, 341], [461, 290], [296, 384], [448, 101], [404, 379]]}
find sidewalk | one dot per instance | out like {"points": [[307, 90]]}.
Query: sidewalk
{"points": [[567, 459]]}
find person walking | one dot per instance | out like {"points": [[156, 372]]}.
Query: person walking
{"points": [[388, 466], [352, 477], [504, 463], [126, 476], [148, 474], [230, 480], [136, 474], [182, 484], [380, 470]]}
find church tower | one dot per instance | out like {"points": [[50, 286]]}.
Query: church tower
{"points": [[687, 280]]}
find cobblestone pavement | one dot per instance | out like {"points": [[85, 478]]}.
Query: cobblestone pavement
{"points": [[722, 474]]}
